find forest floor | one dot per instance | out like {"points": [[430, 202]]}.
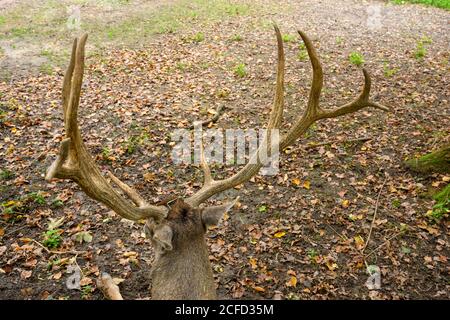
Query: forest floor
{"points": [[301, 234]]}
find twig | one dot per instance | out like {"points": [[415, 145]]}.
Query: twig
{"points": [[340, 235], [56, 252], [14, 231], [374, 214], [213, 119], [78, 266], [343, 238], [386, 241]]}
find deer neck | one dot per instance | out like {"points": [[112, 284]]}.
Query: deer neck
{"points": [[184, 273]]}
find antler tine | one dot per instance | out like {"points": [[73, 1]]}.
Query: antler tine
{"points": [[313, 110], [213, 187], [312, 114], [362, 101], [276, 115], [130, 192], [74, 161], [317, 80], [67, 84], [71, 115], [204, 164]]}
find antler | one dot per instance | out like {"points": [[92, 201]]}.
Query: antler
{"points": [[312, 114], [74, 161]]}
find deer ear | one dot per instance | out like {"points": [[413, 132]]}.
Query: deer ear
{"points": [[163, 236], [211, 215]]}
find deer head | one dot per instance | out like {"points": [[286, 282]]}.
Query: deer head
{"points": [[181, 269]]}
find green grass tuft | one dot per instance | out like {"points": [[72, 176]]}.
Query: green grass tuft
{"points": [[443, 4]]}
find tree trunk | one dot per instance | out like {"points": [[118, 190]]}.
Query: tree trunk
{"points": [[437, 161]]}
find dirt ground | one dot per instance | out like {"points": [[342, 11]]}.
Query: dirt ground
{"points": [[310, 222]]}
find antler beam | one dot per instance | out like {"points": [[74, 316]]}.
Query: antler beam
{"points": [[74, 162], [312, 113]]}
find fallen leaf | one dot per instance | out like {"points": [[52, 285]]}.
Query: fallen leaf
{"points": [[149, 176], [279, 234], [83, 236], [31, 263], [292, 282], [331, 265], [85, 281], [253, 263], [130, 254], [307, 184], [25, 274], [359, 241], [345, 203]]}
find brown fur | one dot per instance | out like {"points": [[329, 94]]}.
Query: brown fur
{"points": [[185, 271]]}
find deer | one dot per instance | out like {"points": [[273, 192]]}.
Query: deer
{"points": [[181, 268]]}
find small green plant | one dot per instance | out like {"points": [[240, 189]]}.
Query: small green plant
{"points": [[182, 66], [3, 116], [46, 68], [442, 205], [198, 37], [106, 154], [339, 40], [131, 144], [421, 50], [2, 20], [205, 65], [47, 53], [19, 32], [396, 203], [52, 238], [356, 58], [138, 139], [15, 209], [236, 9], [303, 53], [236, 37], [56, 203], [86, 291], [288, 38], [262, 208], [443, 4], [240, 70], [312, 254], [37, 197], [389, 72], [6, 174], [52, 263]]}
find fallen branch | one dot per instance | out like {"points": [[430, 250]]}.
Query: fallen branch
{"points": [[374, 214], [211, 120], [381, 245], [14, 231], [57, 252]]}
